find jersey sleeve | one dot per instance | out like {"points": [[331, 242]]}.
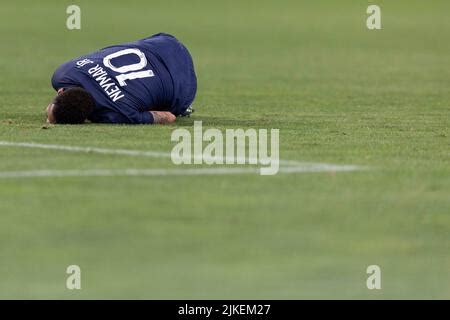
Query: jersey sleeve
{"points": [[61, 78], [109, 116], [147, 118]]}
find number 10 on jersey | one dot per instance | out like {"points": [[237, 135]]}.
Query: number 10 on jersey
{"points": [[129, 72]]}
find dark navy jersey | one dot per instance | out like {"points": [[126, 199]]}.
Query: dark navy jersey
{"points": [[130, 79]]}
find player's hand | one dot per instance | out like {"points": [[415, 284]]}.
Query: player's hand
{"points": [[163, 117]]}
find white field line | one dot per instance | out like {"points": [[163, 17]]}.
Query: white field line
{"points": [[288, 166], [124, 152], [123, 172], [165, 172]]}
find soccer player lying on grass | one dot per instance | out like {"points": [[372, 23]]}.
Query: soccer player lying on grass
{"points": [[143, 82]]}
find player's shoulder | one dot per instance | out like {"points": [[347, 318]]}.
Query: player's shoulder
{"points": [[160, 38], [153, 40], [161, 35]]}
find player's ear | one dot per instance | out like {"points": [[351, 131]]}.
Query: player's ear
{"points": [[60, 90]]}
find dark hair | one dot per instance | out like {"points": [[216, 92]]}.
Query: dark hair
{"points": [[73, 106]]}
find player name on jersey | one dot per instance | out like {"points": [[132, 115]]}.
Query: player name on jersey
{"points": [[107, 84]]}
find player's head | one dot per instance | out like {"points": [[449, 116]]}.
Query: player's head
{"points": [[70, 106]]}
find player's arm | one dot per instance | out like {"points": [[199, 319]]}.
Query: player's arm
{"points": [[163, 117], [135, 117]]}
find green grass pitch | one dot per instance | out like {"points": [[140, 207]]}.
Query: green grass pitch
{"points": [[338, 92]]}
